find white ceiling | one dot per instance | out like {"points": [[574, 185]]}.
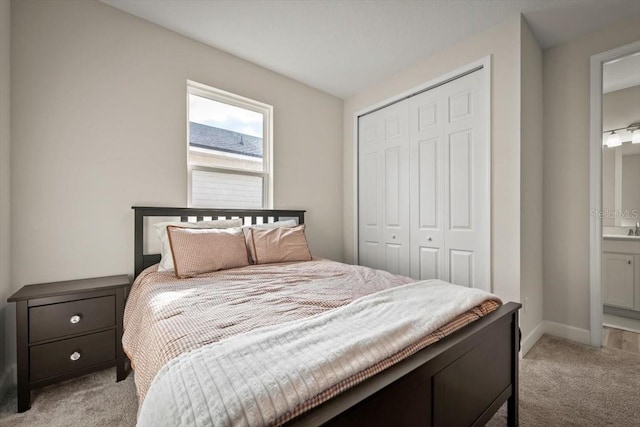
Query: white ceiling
{"points": [[344, 46], [621, 73]]}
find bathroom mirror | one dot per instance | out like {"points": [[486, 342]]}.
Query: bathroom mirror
{"points": [[630, 194], [621, 140]]}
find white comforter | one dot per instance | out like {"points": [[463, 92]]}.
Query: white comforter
{"points": [[253, 379]]}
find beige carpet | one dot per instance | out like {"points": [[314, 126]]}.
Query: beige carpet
{"points": [[93, 400], [562, 384], [567, 384]]}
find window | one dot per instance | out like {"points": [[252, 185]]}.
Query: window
{"points": [[229, 150]]}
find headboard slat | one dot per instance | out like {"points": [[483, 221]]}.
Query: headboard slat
{"points": [[142, 260]]}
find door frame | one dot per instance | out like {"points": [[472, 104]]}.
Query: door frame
{"points": [[483, 63], [595, 187]]}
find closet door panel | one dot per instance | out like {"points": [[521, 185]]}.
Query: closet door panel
{"points": [[371, 191], [461, 268], [370, 219], [428, 184], [429, 263], [384, 189], [466, 187], [393, 258], [392, 124], [370, 254], [460, 105], [427, 114], [460, 186], [392, 189], [396, 188], [370, 215]]}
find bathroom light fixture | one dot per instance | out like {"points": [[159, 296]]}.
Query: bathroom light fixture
{"points": [[614, 139]]}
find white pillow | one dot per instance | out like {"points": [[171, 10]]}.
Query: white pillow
{"points": [[166, 262]]}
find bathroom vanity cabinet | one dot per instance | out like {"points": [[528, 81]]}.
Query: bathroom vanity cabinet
{"points": [[621, 273]]}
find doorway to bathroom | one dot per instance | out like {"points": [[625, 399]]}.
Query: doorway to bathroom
{"points": [[615, 198]]}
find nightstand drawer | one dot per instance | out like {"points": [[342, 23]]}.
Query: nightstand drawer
{"points": [[68, 318], [60, 357]]}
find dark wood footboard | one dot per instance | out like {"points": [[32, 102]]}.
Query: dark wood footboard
{"points": [[461, 380]]}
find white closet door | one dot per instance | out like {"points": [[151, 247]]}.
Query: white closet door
{"points": [[450, 194], [384, 189], [427, 116], [424, 185], [467, 182], [370, 223]]}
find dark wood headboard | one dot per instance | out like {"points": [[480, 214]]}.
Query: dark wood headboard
{"points": [[143, 260]]}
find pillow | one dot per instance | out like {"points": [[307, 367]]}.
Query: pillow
{"points": [[247, 233], [202, 250], [166, 262], [280, 244]]}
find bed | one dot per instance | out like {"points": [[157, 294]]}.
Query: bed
{"points": [[458, 375]]}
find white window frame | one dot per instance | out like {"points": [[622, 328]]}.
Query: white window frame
{"points": [[199, 89]]}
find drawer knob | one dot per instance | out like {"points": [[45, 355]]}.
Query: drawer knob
{"points": [[74, 356], [429, 238], [75, 319]]}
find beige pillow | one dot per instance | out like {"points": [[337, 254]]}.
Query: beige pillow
{"points": [[280, 244], [166, 260], [197, 250], [247, 233]]}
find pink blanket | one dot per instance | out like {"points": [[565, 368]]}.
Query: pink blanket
{"points": [[165, 317]]}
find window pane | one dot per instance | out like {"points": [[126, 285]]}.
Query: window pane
{"points": [[223, 190], [223, 135], [228, 152]]}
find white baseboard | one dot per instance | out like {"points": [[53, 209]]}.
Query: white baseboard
{"points": [[7, 379], [582, 336], [532, 338], [560, 330]]}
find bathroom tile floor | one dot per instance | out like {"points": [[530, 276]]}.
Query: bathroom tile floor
{"points": [[619, 322], [621, 340]]}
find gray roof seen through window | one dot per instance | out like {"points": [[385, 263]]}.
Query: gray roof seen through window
{"points": [[213, 138]]}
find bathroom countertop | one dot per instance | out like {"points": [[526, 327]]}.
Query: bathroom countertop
{"points": [[621, 237]]}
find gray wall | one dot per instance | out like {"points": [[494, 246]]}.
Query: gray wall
{"points": [[99, 124], [531, 282], [5, 237]]}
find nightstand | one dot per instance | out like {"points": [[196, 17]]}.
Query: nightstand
{"points": [[68, 329]]}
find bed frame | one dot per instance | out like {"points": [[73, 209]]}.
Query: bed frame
{"points": [[461, 380]]}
